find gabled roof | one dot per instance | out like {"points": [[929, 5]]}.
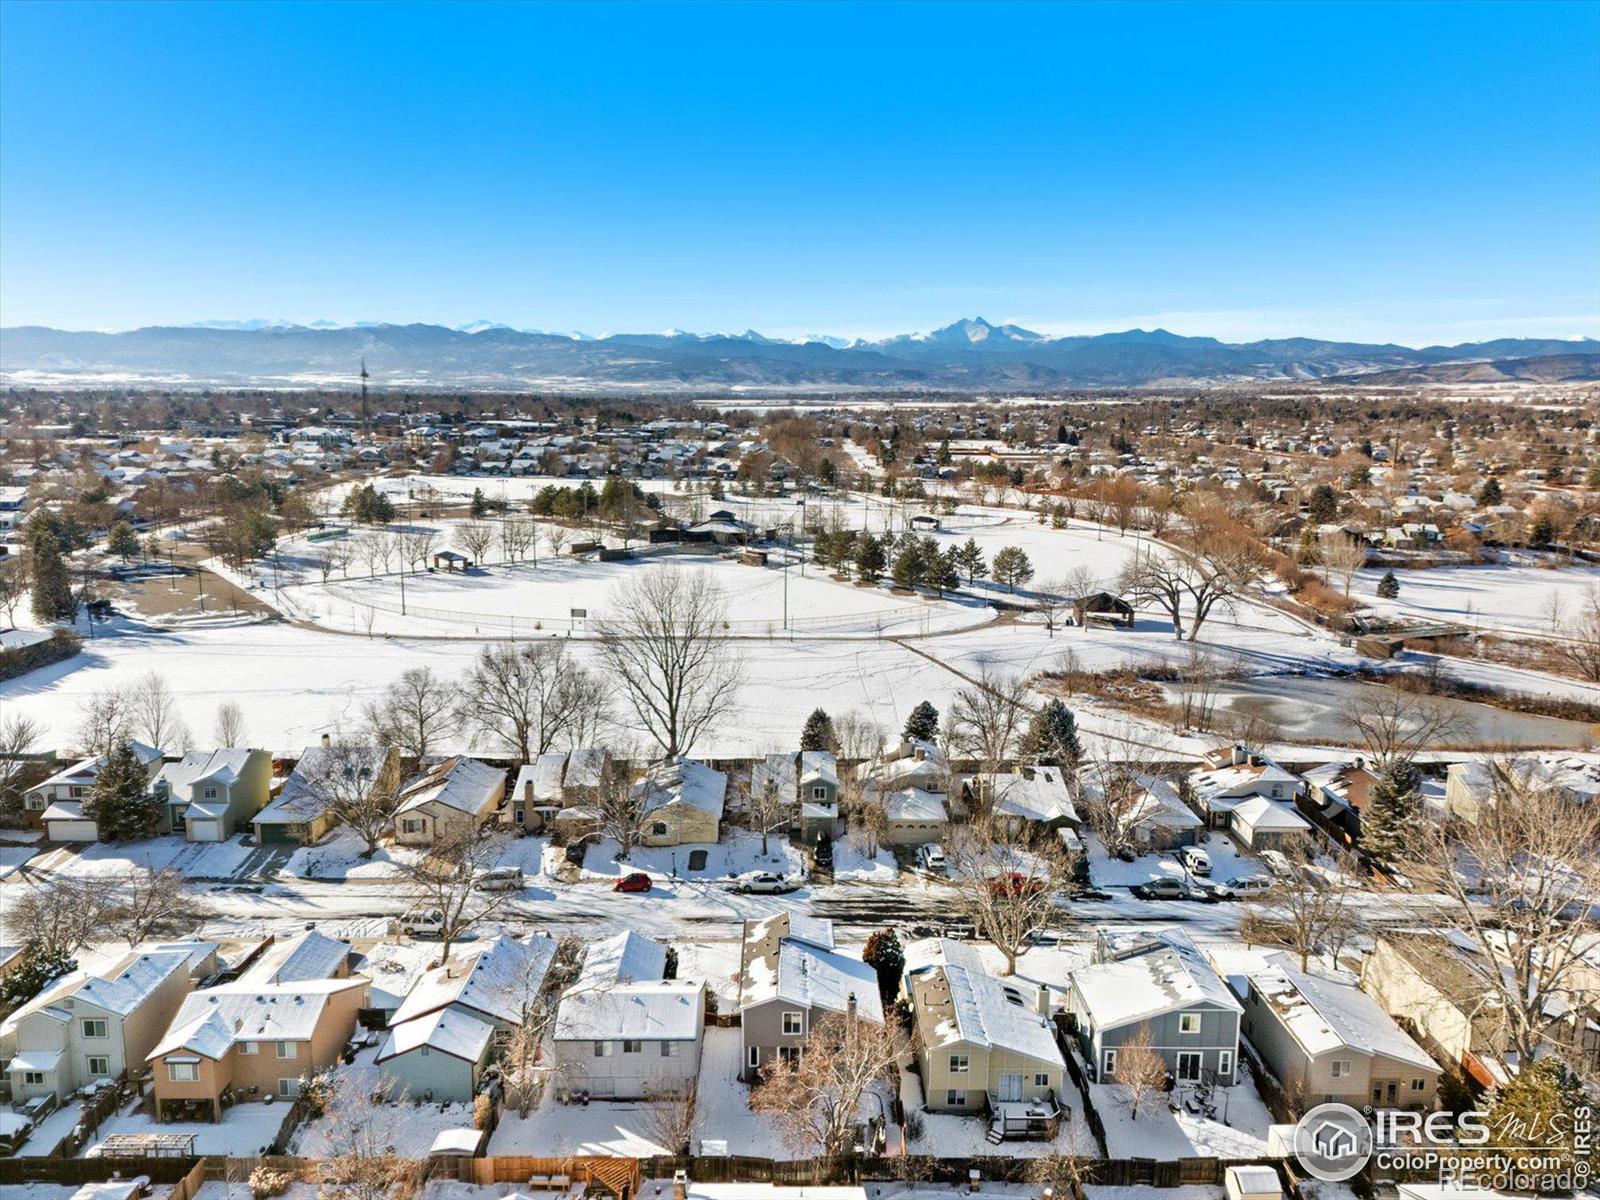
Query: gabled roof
{"points": [[1325, 1014], [310, 955], [498, 979], [210, 1021], [460, 783], [82, 773], [449, 1031], [626, 957], [121, 991], [1151, 974], [682, 781], [1260, 813], [222, 767], [957, 1000], [663, 1010], [793, 958], [301, 798], [1032, 793]]}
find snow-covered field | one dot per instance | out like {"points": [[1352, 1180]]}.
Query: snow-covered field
{"points": [[1514, 598]]}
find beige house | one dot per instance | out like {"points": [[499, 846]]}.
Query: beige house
{"points": [[302, 812], [914, 817], [1471, 786], [1327, 1040], [555, 783], [680, 803], [58, 801], [986, 1045], [1436, 987], [447, 801], [93, 1027], [251, 1039]]}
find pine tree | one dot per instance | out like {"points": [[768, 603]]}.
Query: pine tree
{"points": [[909, 565], [1535, 1110], [36, 967], [480, 506], [1052, 736], [1323, 504], [1388, 586], [942, 574], [818, 733], [870, 558], [1391, 817], [971, 561], [50, 581], [884, 954], [923, 723], [123, 541], [120, 803], [1490, 492], [1012, 567]]}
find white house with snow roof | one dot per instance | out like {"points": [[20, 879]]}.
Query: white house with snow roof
{"points": [[624, 1031], [1156, 986], [791, 975], [680, 803], [448, 799], [1250, 796]]}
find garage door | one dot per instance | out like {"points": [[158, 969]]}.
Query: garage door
{"points": [[205, 831], [71, 831], [274, 834]]}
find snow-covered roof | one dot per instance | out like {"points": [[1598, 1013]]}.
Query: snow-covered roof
{"points": [[210, 1021], [447, 1030], [310, 955], [120, 990], [911, 763], [1260, 813], [1150, 974], [914, 804], [82, 773], [1032, 793], [793, 958], [498, 979], [625, 957], [460, 783], [1325, 1014], [1215, 787], [663, 1010], [221, 767], [957, 1000], [682, 781], [302, 798]]}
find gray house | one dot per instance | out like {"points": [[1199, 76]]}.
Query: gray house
{"points": [[1161, 984], [790, 977], [808, 782], [209, 795]]}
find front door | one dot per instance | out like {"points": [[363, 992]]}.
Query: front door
{"points": [[1189, 1065], [1010, 1088]]}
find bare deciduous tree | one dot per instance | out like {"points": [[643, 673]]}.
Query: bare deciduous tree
{"points": [[671, 1118], [61, 915], [523, 697], [1007, 887], [417, 544], [1342, 556], [816, 1098], [13, 587], [447, 880], [1309, 912], [474, 538], [357, 781], [1140, 1070], [1578, 646], [105, 720], [18, 736], [360, 1132], [230, 724], [986, 718], [1395, 725], [522, 1046], [1218, 564], [414, 712], [1053, 606], [148, 902], [663, 647]]}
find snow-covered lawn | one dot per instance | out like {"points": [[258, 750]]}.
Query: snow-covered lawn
{"points": [[1516, 598], [340, 855], [724, 1102], [1238, 1129], [1228, 862], [851, 864], [244, 1131], [738, 852], [47, 1134], [12, 857], [114, 860], [599, 1127]]}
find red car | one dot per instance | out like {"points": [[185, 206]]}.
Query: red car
{"points": [[637, 882], [1015, 884]]}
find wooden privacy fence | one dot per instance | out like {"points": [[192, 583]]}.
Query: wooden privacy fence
{"points": [[95, 1170], [619, 1176]]}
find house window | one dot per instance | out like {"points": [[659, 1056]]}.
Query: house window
{"points": [[1225, 1062], [956, 1099], [36, 803], [94, 1029], [410, 825], [755, 1056], [249, 1047], [288, 1088], [1111, 1062], [183, 1072], [958, 1064], [669, 1049], [630, 1047], [210, 793], [33, 1077], [1188, 1022], [1419, 1085], [819, 793], [77, 793], [789, 1054], [602, 1049], [1041, 1079], [794, 1024], [99, 1065], [287, 1050], [1339, 1068], [658, 829]]}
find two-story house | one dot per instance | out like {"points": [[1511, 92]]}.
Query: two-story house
{"points": [[1030, 797], [93, 1027], [555, 783], [59, 799], [448, 800], [1155, 986], [1251, 797], [209, 795], [250, 1040], [623, 1031], [1327, 1040], [984, 1044], [305, 809], [807, 784], [791, 976]]}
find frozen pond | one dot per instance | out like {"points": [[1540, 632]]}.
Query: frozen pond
{"points": [[1312, 709]]}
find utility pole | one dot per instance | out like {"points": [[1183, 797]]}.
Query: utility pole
{"points": [[365, 417]]}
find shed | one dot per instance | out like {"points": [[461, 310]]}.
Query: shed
{"points": [[460, 1142], [1258, 1182]]}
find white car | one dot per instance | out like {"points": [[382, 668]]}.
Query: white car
{"points": [[501, 879], [1253, 885], [762, 883], [1196, 860], [931, 858], [420, 922]]}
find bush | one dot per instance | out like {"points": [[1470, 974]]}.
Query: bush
{"points": [[59, 646], [482, 1111], [266, 1183]]}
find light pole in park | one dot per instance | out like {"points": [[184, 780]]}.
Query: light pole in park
{"points": [[802, 537]]}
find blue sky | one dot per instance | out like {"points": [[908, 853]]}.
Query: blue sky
{"points": [[1385, 172]]}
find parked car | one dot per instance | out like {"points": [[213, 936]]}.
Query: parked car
{"points": [[823, 855], [501, 879], [1161, 889], [636, 881], [1252, 885], [1015, 883], [1127, 853], [1195, 860], [423, 922], [1278, 864], [574, 853], [763, 883], [1210, 890], [931, 858]]}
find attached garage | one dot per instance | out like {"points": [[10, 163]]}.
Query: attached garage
{"points": [[68, 824], [204, 829]]}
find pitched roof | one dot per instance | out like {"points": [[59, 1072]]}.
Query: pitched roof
{"points": [[662, 1010], [1325, 1014], [309, 955], [625, 957], [222, 767], [684, 781], [302, 798], [1150, 975], [460, 783], [210, 1021], [449, 1031], [957, 999], [497, 978]]}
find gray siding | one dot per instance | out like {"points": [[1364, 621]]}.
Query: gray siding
{"points": [[419, 1073]]}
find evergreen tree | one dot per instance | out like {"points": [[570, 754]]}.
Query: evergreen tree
{"points": [[1323, 505], [33, 971], [870, 557], [1490, 492], [480, 506], [1535, 1110], [971, 561], [910, 565], [884, 954], [120, 802], [942, 574], [1542, 532], [1012, 567], [123, 541], [1391, 817], [1052, 736], [818, 733], [1388, 586], [1309, 553], [50, 580], [923, 723]]}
